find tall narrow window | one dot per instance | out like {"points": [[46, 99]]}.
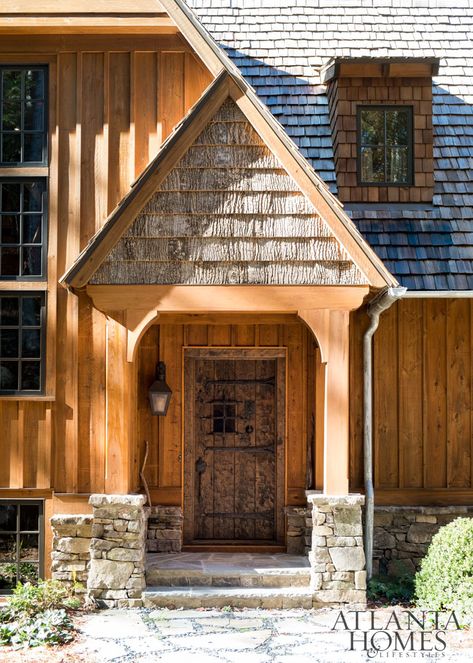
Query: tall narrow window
{"points": [[22, 229], [21, 542], [23, 137], [385, 145], [22, 327]]}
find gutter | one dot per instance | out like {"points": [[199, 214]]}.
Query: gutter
{"points": [[384, 300], [438, 294]]}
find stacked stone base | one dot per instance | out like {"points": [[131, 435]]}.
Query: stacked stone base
{"points": [[298, 532], [71, 549], [402, 535], [337, 555], [165, 525]]}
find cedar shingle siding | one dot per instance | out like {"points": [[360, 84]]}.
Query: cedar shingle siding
{"points": [[280, 47]]}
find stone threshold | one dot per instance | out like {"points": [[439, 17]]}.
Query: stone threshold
{"points": [[219, 597]]}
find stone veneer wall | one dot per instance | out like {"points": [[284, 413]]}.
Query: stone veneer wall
{"points": [[71, 548], [337, 555], [117, 550], [402, 535], [165, 525], [299, 530]]}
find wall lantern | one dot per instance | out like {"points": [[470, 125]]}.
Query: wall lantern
{"points": [[159, 392]]}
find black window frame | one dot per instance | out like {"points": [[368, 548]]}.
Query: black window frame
{"points": [[42, 326], [45, 129], [44, 230], [18, 531], [410, 143]]}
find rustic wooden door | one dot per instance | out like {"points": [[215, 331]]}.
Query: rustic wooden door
{"points": [[234, 461]]}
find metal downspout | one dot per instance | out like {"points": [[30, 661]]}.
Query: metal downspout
{"points": [[379, 304]]}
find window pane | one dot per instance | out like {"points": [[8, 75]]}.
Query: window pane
{"points": [[9, 343], [30, 375], [28, 572], [34, 84], [31, 261], [218, 426], [372, 164], [11, 117], [9, 375], [29, 514], [11, 197], [229, 425], [11, 148], [9, 314], [10, 229], [229, 410], [10, 258], [33, 116], [32, 229], [31, 311], [397, 164], [7, 546], [372, 127], [33, 196], [218, 410], [8, 517], [29, 548], [11, 88], [33, 147], [7, 576], [31, 343], [397, 127]]}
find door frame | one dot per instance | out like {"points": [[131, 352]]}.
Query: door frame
{"points": [[190, 354]]}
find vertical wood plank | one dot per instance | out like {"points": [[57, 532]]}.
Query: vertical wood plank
{"points": [[268, 335], [145, 111], [197, 78], [458, 409], [170, 91], [296, 451], [358, 325], [320, 390], [385, 401], [69, 120], [435, 385], [120, 172], [197, 334], [244, 335], [410, 394], [17, 433], [170, 436], [148, 357]]}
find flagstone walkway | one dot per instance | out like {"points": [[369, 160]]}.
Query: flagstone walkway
{"points": [[220, 636]]}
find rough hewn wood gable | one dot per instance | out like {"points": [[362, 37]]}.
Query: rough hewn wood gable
{"points": [[228, 213]]}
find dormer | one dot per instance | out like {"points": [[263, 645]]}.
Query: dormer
{"points": [[381, 122]]}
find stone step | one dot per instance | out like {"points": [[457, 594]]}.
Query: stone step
{"points": [[220, 597], [159, 577]]}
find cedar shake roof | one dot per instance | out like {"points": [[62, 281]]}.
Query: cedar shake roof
{"points": [[280, 48]]}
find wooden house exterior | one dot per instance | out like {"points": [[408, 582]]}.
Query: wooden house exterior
{"points": [[183, 226]]}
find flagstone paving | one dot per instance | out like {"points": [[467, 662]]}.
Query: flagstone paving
{"points": [[221, 636]]}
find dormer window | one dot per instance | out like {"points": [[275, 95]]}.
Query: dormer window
{"points": [[385, 145]]}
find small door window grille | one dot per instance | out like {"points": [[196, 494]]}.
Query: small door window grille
{"points": [[224, 417]]}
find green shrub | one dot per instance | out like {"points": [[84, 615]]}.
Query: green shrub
{"points": [[394, 589], [38, 614], [445, 578]]}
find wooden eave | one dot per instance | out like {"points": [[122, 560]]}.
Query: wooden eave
{"points": [[367, 67], [85, 17]]}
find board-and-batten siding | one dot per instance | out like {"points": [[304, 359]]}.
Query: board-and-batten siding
{"points": [[164, 342], [228, 213], [423, 398], [115, 100]]}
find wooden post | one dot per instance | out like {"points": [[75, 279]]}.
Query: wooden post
{"points": [[331, 329], [336, 447]]}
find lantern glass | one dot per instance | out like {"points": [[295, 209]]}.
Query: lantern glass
{"points": [[159, 392]]}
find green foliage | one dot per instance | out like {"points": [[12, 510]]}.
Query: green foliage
{"points": [[395, 589], [445, 579], [52, 627], [38, 614]]}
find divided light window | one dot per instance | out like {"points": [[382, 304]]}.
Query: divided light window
{"points": [[22, 229], [21, 543], [22, 325], [385, 145], [23, 137]]}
